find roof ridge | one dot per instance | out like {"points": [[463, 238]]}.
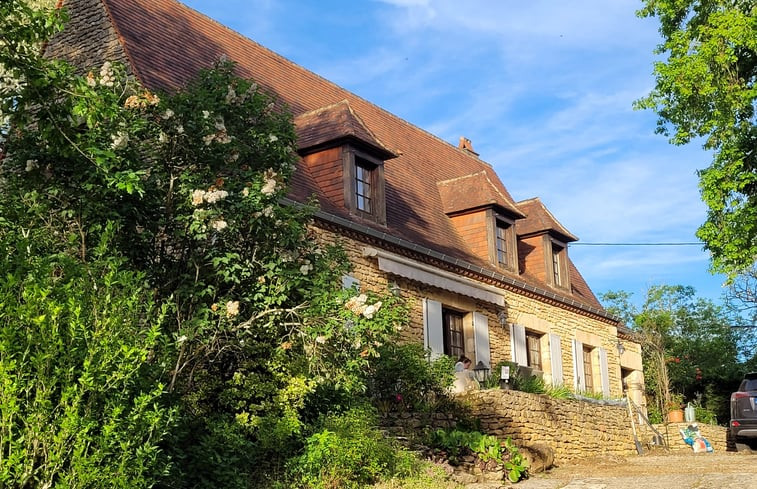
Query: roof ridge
{"points": [[563, 229], [486, 174], [324, 108]]}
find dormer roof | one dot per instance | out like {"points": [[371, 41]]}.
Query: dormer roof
{"points": [[330, 125], [539, 220], [475, 191]]}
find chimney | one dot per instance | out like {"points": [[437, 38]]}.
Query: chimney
{"points": [[466, 145]]}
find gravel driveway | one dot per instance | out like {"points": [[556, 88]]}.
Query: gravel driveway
{"points": [[680, 470]]}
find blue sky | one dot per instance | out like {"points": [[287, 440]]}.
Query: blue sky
{"points": [[544, 89]]}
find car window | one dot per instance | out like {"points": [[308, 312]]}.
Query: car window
{"points": [[749, 385]]}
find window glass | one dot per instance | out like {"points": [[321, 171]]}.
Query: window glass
{"points": [[363, 185], [454, 342], [556, 264], [588, 374], [533, 342], [503, 259]]}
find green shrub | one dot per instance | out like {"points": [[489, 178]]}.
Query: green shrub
{"points": [[403, 378], [559, 391], [457, 443], [80, 400], [347, 451]]}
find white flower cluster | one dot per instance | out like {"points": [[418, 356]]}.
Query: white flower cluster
{"points": [[106, 74], [219, 224], [306, 267], [271, 184], [119, 141], [221, 136], [210, 197], [31, 165], [358, 305], [232, 309], [267, 212], [232, 98]]}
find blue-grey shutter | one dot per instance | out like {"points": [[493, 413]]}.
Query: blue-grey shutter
{"points": [[579, 382], [604, 370], [555, 357], [481, 338], [518, 344], [433, 334]]}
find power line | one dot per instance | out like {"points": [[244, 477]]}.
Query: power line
{"points": [[684, 243]]}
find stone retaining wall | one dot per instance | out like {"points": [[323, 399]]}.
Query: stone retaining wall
{"points": [[714, 434], [572, 428]]}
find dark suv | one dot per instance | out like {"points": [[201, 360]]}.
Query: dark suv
{"points": [[743, 426]]}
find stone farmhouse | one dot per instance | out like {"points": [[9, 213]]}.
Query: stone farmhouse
{"points": [[485, 276]]}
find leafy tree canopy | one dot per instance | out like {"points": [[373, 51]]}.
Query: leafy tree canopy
{"points": [[214, 329], [705, 88], [688, 344]]}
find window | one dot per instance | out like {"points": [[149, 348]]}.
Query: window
{"points": [[364, 185], [503, 259], [533, 345], [452, 326], [557, 264], [588, 375], [503, 252]]}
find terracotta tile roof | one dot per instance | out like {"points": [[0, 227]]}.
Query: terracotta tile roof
{"points": [[167, 43], [539, 219], [336, 122], [475, 191]]}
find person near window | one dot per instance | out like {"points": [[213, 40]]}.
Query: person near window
{"points": [[464, 379], [463, 363]]}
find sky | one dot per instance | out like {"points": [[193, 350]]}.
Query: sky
{"points": [[544, 90]]}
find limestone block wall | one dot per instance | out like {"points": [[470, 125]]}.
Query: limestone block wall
{"points": [[572, 428], [714, 434], [523, 309]]}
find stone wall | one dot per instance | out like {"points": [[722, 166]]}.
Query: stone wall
{"points": [[528, 310], [572, 428], [714, 434]]}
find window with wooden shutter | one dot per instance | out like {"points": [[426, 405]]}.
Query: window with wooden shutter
{"points": [[454, 340], [533, 345], [588, 373]]}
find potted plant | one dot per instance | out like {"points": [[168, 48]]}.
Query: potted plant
{"points": [[675, 408]]}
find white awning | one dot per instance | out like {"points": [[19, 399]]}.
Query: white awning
{"points": [[420, 272]]}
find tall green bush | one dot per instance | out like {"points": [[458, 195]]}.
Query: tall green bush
{"points": [[347, 451], [258, 335], [403, 378], [78, 345]]}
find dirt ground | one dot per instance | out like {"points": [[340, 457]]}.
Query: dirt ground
{"points": [[684, 470]]}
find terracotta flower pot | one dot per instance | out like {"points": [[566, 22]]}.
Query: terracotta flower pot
{"points": [[675, 416]]}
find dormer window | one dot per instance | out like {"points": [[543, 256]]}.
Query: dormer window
{"points": [[364, 176], [504, 248], [364, 185], [558, 264]]}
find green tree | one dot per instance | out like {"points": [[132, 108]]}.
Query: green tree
{"points": [[705, 88], [688, 345], [188, 191]]}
